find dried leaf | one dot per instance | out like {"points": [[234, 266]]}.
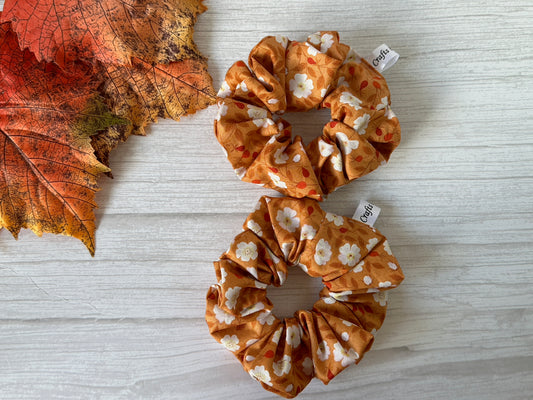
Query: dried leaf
{"points": [[48, 169], [144, 92], [111, 31]]}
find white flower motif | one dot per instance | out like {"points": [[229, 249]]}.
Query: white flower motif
{"points": [[283, 40], [345, 357], [325, 42], [381, 298], [392, 266], [246, 251], [276, 180], [252, 309], [224, 90], [222, 110], [249, 358], [361, 124], [374, 331], [222, 316], [223, 275], [307, 365], [252, 271], [242, 86], [372, 243], [240, 172], [351, 100], [232, 294], [280, 157], [303, 267], [386, 247], [282, 366], [367, 280], [289, 388], [347, 145], [300, 86], [389, 113], [230, 342], [349, 255], [273, 101], [322, 252], [329, 300], [266, 318], [323, 92], [282, 277], [255, 112], [337, 162], [255, 227], [293, 335], [273, 138], [342, 82], [337, 219], [348, 323], [260, 374], [312, 51], [385, 284], [296, 158], [323, 351], [274, 258], [259, 116], [384, 103], [307, 232], [325, 149], [358, 267], [248, 344], [341, 296], [287, 219], [314, 38], [260, 285], [345, 336], [277, 335], [352, 56]]}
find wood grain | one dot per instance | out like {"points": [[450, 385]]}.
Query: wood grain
{"points": [[457, 209]]}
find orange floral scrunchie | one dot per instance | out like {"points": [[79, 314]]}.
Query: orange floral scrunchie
{"points": [[356, 266], [284, 75]]}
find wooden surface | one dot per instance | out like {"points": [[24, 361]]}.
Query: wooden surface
{"points": [[457, 200]]}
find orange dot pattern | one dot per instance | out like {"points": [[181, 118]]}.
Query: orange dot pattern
{"points": [[284, 75], [357, 268]]}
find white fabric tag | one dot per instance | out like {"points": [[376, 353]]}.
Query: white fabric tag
{"points": [[367, 213], [382, 58]]}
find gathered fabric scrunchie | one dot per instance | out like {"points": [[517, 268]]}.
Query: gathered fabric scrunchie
{"points": [[285, 75], [356, 266]]}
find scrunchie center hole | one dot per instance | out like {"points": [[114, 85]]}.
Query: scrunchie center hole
{"points": [[308, 124], [299, 292]]}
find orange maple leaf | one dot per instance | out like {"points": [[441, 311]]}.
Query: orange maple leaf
{"points": [[48, 170], [111, 31], [144, 92]]}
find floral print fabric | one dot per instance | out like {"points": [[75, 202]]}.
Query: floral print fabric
{"points": [[357, 268], [285, 75]]}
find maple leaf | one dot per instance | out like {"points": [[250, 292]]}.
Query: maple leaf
{"points": [[144, 92], [48, 170], [111, 31]]}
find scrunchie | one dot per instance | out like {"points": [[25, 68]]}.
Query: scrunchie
{"points": [[297, 76], [356, 266]]}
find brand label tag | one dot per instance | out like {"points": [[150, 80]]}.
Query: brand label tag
{"points": [[382, 58], [367, 213]]}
